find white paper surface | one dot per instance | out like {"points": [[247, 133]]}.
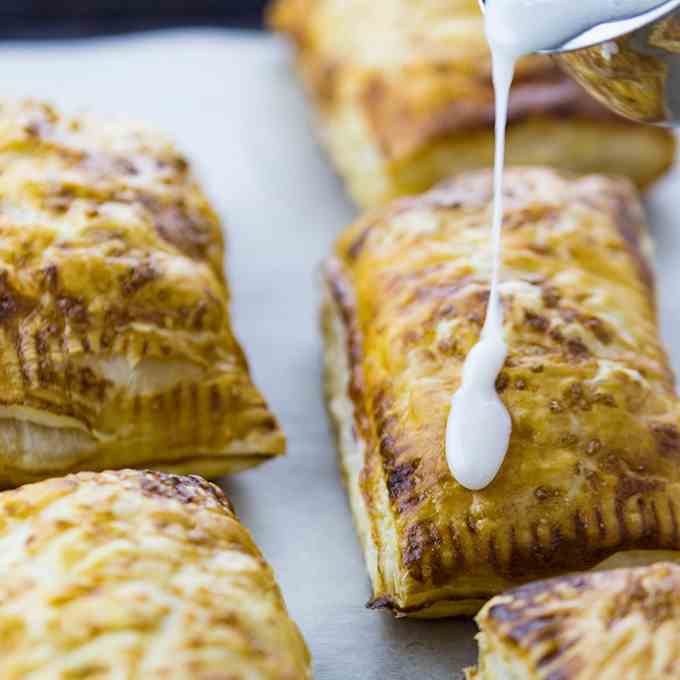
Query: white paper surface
{"points": [[232, 105]]}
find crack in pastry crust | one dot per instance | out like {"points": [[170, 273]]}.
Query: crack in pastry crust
{"points": [[613, 624], [115, 337], [404, 98], [592, 465], [135, 574]]}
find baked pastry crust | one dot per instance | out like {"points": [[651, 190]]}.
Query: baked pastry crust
{"points": [[404, 98], [613, 624], [115, 341], [592, 465], [136, 574]]}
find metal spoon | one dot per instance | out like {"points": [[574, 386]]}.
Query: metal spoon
{"points": [[631, 65]]}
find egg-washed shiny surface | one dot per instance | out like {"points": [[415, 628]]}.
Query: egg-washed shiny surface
{"points": [[592, 467], [137, 575], [404, 98], [604, 626], [116, 348]]}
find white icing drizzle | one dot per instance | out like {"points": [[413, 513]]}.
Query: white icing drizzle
{"points": [[479, 426]]}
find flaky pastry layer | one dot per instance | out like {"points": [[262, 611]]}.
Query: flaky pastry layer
{"points": [[403, 96], [137, 575], [116, 348], [592, 467], [604, 626]]}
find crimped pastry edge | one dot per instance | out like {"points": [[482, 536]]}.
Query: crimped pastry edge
{"points": [[377, 164], [162, 515], [338, 349], [350, 449], [42, 438], [500, 660]]}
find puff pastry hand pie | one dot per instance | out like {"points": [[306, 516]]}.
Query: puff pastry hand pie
{"points": [[137, 575], [604, 626], [592, 467], [404, 98], [115, 343]]}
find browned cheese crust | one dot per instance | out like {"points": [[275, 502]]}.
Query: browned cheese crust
{"points": [[115, 342], [612, 625], [137, 575], [404, 98], [592, 466]]}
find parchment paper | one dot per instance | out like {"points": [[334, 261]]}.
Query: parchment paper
{"points": [[232, 105]]}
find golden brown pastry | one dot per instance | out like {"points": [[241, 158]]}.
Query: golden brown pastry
{"points": [[404, 98], [138, 576], [612, 625], [116, 348], [592, 467]]}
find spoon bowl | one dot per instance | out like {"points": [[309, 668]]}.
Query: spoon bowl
{"points": [[610, 30], [631, 65]]}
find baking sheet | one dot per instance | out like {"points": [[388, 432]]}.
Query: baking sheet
{"points": [[231, 103]]}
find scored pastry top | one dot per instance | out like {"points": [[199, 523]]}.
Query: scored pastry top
{"points": [[420, 69], [137, 574], [623, 623], [404, 97], [592, 463], [113, 302]]}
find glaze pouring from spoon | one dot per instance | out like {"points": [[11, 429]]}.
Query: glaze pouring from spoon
{"points": [[479, 425]]}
